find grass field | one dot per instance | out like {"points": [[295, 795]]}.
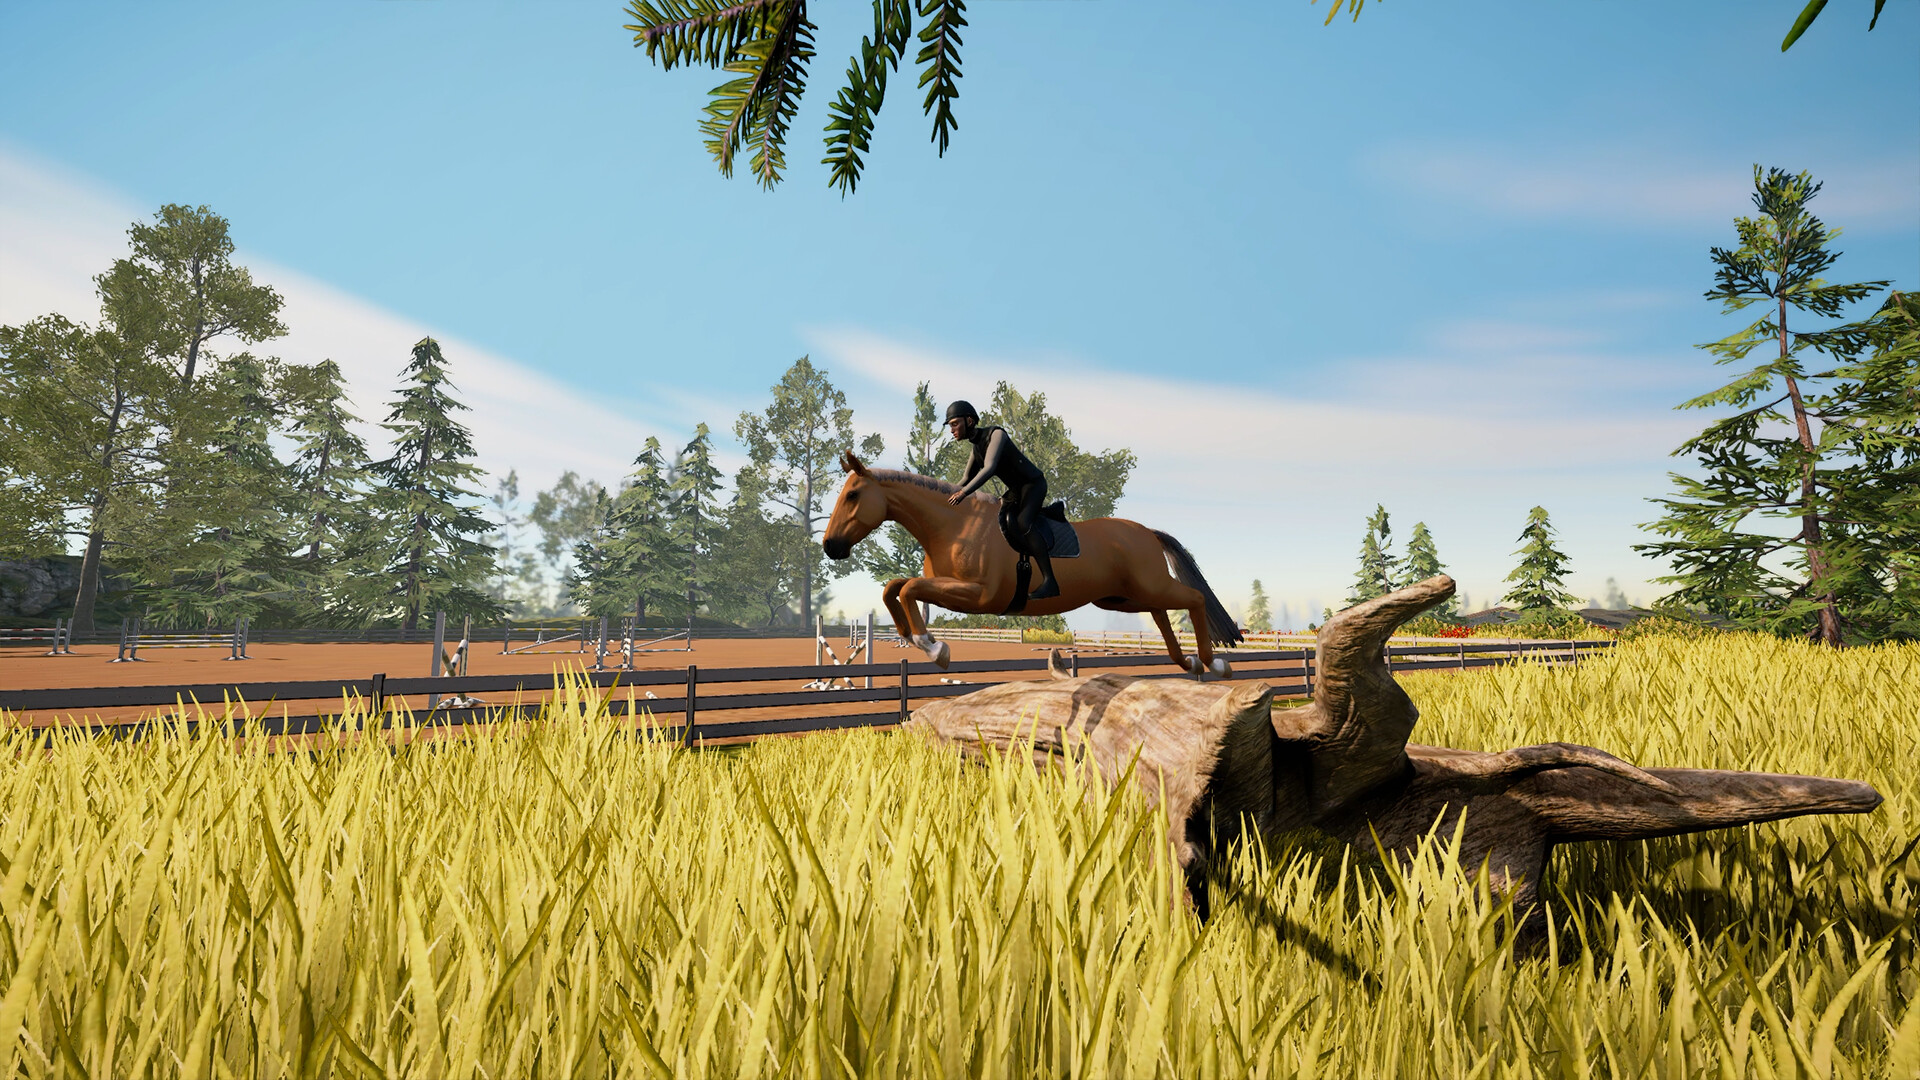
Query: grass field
{"points": [[558, 899]]}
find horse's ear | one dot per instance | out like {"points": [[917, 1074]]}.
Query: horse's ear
{"points": [[852, 464]]}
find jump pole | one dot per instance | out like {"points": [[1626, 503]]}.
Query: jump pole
{"points": [[433, 665]]}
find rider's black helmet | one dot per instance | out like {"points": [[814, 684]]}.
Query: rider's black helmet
{"points": [[959, 409]]}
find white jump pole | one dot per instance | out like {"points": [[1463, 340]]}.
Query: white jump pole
{"points": [[433, 665]]}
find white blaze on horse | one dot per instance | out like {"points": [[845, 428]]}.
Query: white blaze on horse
{"points": [[970, 568]]}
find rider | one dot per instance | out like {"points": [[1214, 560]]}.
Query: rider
{"points": [[994, 455]]}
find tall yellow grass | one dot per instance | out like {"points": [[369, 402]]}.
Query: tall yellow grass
{"points": [[557, 898]]}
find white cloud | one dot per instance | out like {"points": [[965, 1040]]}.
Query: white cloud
{"points": [[1620, 185], [58, 229]]}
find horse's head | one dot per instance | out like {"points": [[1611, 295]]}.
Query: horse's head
{"points": [[861, 508]]}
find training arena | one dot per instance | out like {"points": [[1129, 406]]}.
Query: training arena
{"points": [[89, 665]]}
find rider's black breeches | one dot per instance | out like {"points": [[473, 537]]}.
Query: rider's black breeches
{"points": [[1026, 502]]}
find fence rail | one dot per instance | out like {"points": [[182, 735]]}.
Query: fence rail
{"points": [[1292, 672]]}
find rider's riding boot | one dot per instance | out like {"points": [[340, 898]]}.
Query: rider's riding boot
{"points": [[1048, 587]]}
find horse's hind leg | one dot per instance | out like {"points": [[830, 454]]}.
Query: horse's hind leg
{"points": [[1174, 651], [1203, 644]]}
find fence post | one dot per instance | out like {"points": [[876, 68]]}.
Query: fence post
{"points": [[1306, 668], [870, 659], [378, 701], [693, 683], [819, 640], [903, 692], [1463, 654], [506, 638], [433, 665]]}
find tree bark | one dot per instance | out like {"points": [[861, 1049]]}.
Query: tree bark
{"points": [[1222, 760], [83, 600]]}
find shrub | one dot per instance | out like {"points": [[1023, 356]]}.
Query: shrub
{"points": [[1669, 625], [1002, 622], [1544, 624], [1040, 635], [1434, 625]]}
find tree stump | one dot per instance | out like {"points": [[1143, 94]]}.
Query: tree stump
{"points": [[1223, 760]]}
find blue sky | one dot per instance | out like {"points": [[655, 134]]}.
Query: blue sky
{"points": [[1448, 258]]}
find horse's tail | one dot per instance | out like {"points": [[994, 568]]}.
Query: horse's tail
{"points": [[1220, 625]]}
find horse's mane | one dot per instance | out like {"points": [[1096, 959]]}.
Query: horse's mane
{"points": [[931, 483]]}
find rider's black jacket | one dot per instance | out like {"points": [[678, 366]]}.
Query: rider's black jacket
{"points": [[995, 456]]}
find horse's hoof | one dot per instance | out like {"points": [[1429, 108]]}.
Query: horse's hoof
{"points": [[1221, 669], [1193, 665], [940, 654]]}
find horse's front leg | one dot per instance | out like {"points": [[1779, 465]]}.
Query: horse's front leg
{"points": [[953, 594], [903, 614]]}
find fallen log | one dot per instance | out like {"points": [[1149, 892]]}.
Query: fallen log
{"points": [[1223, 760]]}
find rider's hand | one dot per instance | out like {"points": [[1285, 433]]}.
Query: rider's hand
{"points": [[954, 499]]}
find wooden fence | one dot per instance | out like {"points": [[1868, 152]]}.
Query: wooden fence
{"points": [[688, 695]]}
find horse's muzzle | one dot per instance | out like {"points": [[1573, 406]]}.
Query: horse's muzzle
{"points": [[836, 548]]}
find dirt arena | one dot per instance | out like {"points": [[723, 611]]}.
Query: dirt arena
{"points": [[89, 666]]}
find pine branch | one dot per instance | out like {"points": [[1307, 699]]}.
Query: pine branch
{"points": [[851, 128], [695, 31], [759, 105], [939, 59]]}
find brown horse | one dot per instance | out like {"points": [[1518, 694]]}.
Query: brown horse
{"points": [[969, 567]]}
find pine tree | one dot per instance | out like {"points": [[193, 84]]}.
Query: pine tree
{"points": [[220, 543], [1542, 568], [694, 518], [633, 565], [594, 569], [892, 552], [1259, 612], [331, 525], [1423, 562], [1876, 496], [435, 559], [1752, 468], [1375, 577]]}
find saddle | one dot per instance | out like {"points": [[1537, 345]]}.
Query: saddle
{"points": [[1054, 533]]}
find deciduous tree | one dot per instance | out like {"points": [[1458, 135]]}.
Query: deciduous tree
{"points": [[795, 446], [79, 412], [180, 290], [1090, 484]]}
